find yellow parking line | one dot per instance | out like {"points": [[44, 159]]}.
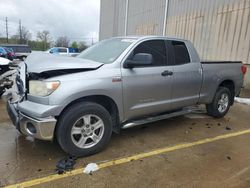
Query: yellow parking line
{"points": [[128, 159]]}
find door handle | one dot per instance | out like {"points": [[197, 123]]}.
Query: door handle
{"points": [[167, 73]]}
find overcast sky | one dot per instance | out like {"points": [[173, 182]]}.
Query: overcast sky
{"points": [[76, 19]]}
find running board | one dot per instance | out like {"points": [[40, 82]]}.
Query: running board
{"points": [[156, 118]]}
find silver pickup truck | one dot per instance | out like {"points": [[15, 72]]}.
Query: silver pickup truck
{"points": [[115, 84]]}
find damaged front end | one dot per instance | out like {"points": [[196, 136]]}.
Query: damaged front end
{"points": [[30, 110], [19, 110], [5, 84], [5, 73]]}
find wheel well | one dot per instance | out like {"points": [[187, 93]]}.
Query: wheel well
{"points": [[107, 103], [230, 85]]}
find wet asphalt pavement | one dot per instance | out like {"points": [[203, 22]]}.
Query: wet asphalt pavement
{"points": [[223, 163]]}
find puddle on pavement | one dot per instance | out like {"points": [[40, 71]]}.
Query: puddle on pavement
{"points": [[24, 157]]}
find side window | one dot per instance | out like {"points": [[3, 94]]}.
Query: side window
{"points": [[180, 52], [156, 48], [62, 50]]}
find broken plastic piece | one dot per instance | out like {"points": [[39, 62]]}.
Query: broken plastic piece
{"points": [[91, 167], [242, 100]]}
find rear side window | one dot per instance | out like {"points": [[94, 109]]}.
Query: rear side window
{"points": [[156, 48], [62, 50], [180, 52]]}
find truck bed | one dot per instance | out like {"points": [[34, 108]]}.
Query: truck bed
{"points": [[214, 72]]}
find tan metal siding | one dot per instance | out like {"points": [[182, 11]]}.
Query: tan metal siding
{"points": [[112, 18], [106, 19], [121, 8], [219, 29], [145, 17]]}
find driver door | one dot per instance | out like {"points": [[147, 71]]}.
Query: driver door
{"points": [[147, 89]]}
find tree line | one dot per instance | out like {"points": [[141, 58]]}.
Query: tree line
{"points": [[43, 40]]}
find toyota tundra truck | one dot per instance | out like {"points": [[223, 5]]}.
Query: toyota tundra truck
{"points": [[116, 84]]}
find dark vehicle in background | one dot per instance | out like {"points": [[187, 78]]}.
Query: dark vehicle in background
{"points": [[21, 50], [3, 52], [10, 53]]}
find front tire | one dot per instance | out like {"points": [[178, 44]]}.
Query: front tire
{"points": [[220, 104], [84, 129]]}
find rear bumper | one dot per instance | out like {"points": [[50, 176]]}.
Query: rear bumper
{"points": [[40, 128]]}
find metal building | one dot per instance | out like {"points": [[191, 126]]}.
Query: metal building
{"points": [[219, 29]]}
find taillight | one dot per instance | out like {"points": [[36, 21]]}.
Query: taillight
{"points": [[243, 69]]}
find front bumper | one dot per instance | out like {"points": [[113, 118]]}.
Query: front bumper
{"points": [[40, 128]]}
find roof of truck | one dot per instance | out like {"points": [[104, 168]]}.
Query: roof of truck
{"points": [[151, 36]]}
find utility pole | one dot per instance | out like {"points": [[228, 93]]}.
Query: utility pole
{"points": [[7, 32], [45, 42], [126, 18], [20, 32]]}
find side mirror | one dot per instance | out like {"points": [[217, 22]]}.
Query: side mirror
{"points": [[139, 60]]}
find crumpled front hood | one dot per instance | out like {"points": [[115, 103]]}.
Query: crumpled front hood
{"points": [[38, 62]]}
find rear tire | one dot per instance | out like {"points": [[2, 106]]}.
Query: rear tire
{"points": [[220, 104], [77, 130]]}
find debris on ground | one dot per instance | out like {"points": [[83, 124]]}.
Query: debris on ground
{"points": [[144, 127], [228, 128], [242, 100], [91, 167], [65, 164], [218, 124], [228, 157]]}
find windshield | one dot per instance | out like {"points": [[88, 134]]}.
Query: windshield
{"points": [[107, 51]]}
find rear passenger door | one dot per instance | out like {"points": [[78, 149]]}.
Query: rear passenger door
{"points": [[187, 75], [147, 89]]}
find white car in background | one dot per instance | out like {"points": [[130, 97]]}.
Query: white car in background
{"points": [[4, 61], [63, 51], [4, 65]]}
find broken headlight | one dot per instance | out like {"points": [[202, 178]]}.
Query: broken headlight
{"points": [[42, 88]]}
